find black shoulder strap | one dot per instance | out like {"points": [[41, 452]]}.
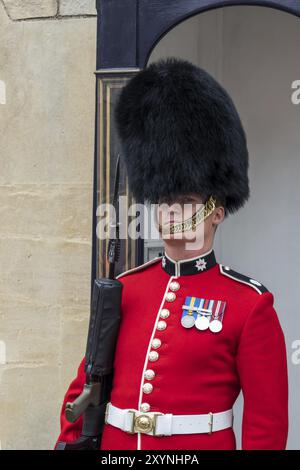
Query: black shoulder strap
{"points": [[227, 271]]}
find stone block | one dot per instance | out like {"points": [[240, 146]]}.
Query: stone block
{"points": [[77, 7], [25, 9]]}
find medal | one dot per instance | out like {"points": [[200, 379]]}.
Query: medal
{"points": [[204, 312], [188, 321], [202, 322], [189, 313], [216, 324]]}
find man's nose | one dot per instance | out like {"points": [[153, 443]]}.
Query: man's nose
{"points": [[174, 209]]}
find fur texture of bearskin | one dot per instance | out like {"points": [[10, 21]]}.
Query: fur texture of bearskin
{"points": [[181, 133]]}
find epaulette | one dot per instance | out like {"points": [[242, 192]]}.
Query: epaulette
{"points": [[140, 267], [227, 271]]}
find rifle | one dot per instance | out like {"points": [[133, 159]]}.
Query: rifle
{"points": [[100, 350]]}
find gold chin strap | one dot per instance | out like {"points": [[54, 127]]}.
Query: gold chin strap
{"points": [[193, 221]]}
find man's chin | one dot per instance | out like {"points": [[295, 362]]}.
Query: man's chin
{"points": [[179, 237]]}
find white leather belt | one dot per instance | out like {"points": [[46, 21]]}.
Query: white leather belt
{"points": [[166, 424]]}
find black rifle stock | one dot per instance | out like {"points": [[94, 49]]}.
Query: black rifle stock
{"points": [[100, 351]]}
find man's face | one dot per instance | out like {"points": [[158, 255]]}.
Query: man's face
{"points": [[178, 211]]}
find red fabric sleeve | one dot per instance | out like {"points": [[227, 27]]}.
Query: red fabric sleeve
{"points": [[71, 431], [262, 368]]}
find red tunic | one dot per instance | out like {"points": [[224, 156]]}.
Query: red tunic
{"points": [[196, 371]]}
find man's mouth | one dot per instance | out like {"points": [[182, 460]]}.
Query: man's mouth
{"points": [[169, 221]]}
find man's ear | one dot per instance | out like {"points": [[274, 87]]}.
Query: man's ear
{"points": [[217, 224]]}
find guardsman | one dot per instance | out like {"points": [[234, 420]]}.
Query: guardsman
{"points": [[194, 333]]}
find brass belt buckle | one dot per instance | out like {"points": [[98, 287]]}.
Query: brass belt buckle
{"points": [[144, 423]]}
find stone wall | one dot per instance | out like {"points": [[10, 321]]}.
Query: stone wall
{"points": [[41, 9], [47, 99]]}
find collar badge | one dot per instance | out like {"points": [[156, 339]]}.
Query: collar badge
{"points": [[200, 264]]}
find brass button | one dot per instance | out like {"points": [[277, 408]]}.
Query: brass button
{"points": [[149, 374], [170, 296], [174, 286], [145, 407], [147, 388], [156, 343], [161, 325], [153, 356], [164, 313]]}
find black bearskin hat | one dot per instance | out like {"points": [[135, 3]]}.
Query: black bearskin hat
{"points": [[181, 133]]}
